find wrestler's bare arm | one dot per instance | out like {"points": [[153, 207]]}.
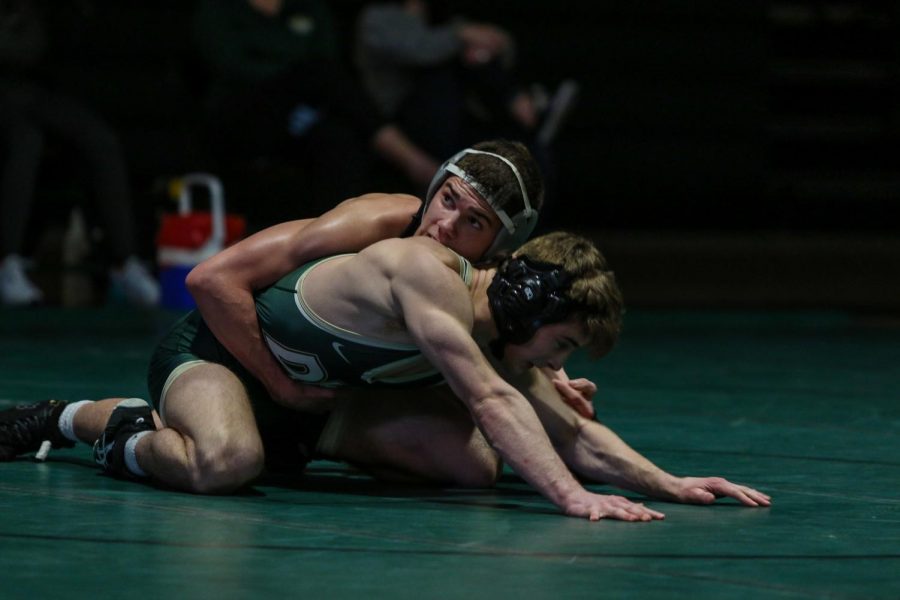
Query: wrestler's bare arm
{"points": [[597, 453], [223, 285], [437, 311]]}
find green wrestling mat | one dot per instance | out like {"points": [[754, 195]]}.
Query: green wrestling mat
{"points": [[803, 406]]}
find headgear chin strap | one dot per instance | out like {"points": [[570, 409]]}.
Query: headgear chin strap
{"points": [[524, 295], [517, 228]]}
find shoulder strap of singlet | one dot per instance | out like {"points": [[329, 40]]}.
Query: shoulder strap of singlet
{"points": [[413, 223], [464, 268]]}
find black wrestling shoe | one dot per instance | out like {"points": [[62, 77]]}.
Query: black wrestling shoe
{"points": [[130, 416], [23, 428]]}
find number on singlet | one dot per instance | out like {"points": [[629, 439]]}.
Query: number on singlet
{"points": [[301, 366]]}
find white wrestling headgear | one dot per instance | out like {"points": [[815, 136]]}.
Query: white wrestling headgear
{"points": [[517, 228]]}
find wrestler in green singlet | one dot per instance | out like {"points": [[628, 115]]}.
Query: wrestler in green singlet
{"points": [[310, 349]]}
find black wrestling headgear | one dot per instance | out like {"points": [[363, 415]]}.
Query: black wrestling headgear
{"points": [[524, 295]]}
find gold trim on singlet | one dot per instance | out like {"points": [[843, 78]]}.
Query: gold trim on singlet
{"points": [[465, 270], [400, 371], [175, 374]]}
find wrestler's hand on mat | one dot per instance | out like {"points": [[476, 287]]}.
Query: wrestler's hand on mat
{"points": [[289, 393], [597, 506], [705, 490], [577, 393]]}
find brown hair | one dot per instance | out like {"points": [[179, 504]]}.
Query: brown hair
{"points": [[497, 178], [593, 289]]}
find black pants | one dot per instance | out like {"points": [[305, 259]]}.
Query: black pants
{"points": [[29, 113]]}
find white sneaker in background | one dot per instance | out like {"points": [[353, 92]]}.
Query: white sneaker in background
{"points": [[15, 287], [135, 284], [558, 109]]}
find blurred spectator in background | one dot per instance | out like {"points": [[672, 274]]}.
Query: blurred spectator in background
{"points": [[449, 82], [30, 111], [278, 88]]}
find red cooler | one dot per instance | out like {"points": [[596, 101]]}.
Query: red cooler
{"points": [[189, 237]]}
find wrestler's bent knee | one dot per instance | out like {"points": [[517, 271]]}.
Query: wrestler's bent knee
{"points": [[226, 469], [482, 472]]}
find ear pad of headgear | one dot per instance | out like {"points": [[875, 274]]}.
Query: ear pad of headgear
{"points": [[525, 295], [523, 225]]}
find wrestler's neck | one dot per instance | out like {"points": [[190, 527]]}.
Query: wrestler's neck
{"points": [[483, 328]]}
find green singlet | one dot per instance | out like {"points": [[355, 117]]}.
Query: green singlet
{"points": [[314, 351], [311, 351]]}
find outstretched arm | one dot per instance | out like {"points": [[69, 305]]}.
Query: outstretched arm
{"points": [[437, 312], [596, 453], [223, 285]]}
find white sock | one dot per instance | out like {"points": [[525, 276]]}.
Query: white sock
{"points": [[131, 462], [67, 420]]}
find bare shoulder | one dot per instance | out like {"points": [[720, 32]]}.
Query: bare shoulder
{"points": [[397, 209], [396, 199], [413, 255], [356, 223], [422, 276]]}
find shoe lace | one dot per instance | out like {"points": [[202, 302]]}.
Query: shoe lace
{"points": [[100, 451], [24, 431]]}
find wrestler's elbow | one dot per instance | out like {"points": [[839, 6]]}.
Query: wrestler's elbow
{"points": [[202, 279]]}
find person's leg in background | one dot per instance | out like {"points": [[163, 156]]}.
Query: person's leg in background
{"points": [[98, 147], [21, 153], [29, 115]]}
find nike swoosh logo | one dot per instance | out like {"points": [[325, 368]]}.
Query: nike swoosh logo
{"points": [[337, 348]]}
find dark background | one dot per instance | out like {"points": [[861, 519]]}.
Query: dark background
{"points": [[724, 154]]}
